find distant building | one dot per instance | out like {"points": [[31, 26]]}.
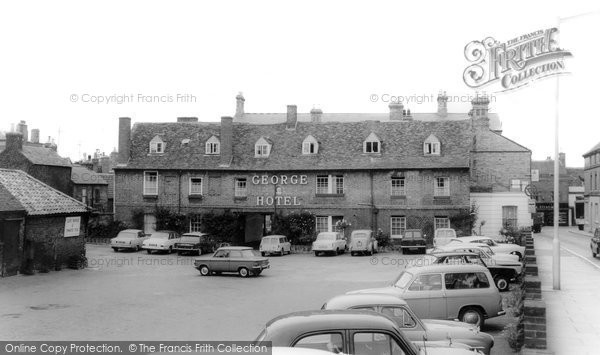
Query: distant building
{"points": [[569, 180], [38, 160], [40, 227], [390, 171], [592, 188], [90, 188]]}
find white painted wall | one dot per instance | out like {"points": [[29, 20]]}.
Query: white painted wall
{"points": [[490, 210]]}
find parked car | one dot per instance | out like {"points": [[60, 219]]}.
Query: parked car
{"points": [[362, 241], [485, 252], [502, 274], [240, 260], [275, 244], [413, 240], [501, 248], [463, 292], [413, 327], [161, 241], [595, 243], [442, 236], [131, 239], [345, 332], [195, 243], [329, 242]]}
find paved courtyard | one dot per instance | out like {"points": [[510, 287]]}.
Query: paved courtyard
{"points": [[136, 296]]}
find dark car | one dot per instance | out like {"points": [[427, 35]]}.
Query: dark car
{"points": [[195, 243], [595, 243], [413, 240], [502, 274], [344, 331], [240, 260], [413, 327]]}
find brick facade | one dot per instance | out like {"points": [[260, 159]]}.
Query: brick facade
{"points": [[591, 176]]}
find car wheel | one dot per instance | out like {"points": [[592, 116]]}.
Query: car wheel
{"points": [[170, 250], [262, 253], [502, 283], [204, 270], [337, 251], [243, 272], [179, 252], [116, 249], [137, 248], [281, 252], [352, 253], [593, 254], [471, 315], [316, 253], [148, 251], [369, 252]]}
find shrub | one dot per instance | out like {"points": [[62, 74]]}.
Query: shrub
{"points": [[383, 239], [298, 227], [104, 230], [227, 227], [137, 218], [169, 220]]}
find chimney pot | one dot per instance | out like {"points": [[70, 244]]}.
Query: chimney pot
{"points": [[396, 111], [442, 100], [239, 105], [316, 115], [292, 117], [35, 135], [22, 128]]}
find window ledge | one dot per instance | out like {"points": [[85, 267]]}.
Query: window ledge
{"points": [[196, 196], [240, 198], [442, 197], [398, 197], [150, 196], [329, 195]]}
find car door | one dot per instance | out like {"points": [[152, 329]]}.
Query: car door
{"points": [[220, 261], [378, 342], [405, 321], [425, 296], [235, 260]]}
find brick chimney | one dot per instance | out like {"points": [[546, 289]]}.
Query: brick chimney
{"points": [[104, 164], [35, 135], [316, 114], [14, 141], [226, 140], [187, 119], [479, 112], [22, 128], [562, 160], [442, 101], [292, 117], [124, 140], [239, 105], [396, 111]]}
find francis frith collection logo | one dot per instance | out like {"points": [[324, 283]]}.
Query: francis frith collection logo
{"points": [[514, 63]]}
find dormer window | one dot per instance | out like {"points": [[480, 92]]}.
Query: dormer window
{"points": [[262, 148], [310, 145], [431, 146], [157, 145], [213, 145], [372, 144]]}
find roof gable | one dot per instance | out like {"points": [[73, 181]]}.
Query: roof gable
{"points": [[489, 141]]}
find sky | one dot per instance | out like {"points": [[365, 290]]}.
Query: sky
{"points": [[60, 58]]}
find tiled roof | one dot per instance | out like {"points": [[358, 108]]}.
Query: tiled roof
{"points": [[83, 176], [340, 146], [36, 197], [8, 203], [488, 141], [40, 155], [593, 150], [273, 118]]}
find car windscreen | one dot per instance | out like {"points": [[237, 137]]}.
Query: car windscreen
{"points": [[127, 235], [445, 234], [159, 236], [402, 280], [190, 239], [326, 237]]}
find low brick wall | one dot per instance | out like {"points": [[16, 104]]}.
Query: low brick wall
{"points": [[534, 317]]}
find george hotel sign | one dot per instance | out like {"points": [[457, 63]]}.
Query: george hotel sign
{"points": [[277, 181], [516, 62]]}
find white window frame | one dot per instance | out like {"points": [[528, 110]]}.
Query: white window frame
{"points": [[441, 190], [262, 148], [213, 146], [432, 146], [84, 197], [400, 221], [150, 190], [240, 191], [195, 224], [157, 145], [310, 146], [441, 222], [398, 190], [372, 145], [335, 185], [193, 191], [321, 220]]}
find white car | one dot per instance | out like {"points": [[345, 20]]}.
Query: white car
{"points": [[498, 248], [485, 252], [329, 242], [128, 239], [275, 244], [161, 241], [443, 236]]}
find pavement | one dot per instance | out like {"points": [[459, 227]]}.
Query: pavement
{"points": [[572, 312]]}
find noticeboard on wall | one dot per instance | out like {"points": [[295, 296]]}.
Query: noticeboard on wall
{"points": [[72, 225]]}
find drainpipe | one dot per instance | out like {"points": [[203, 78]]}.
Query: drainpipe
{"points": [[373, 208], [179, 192]]}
